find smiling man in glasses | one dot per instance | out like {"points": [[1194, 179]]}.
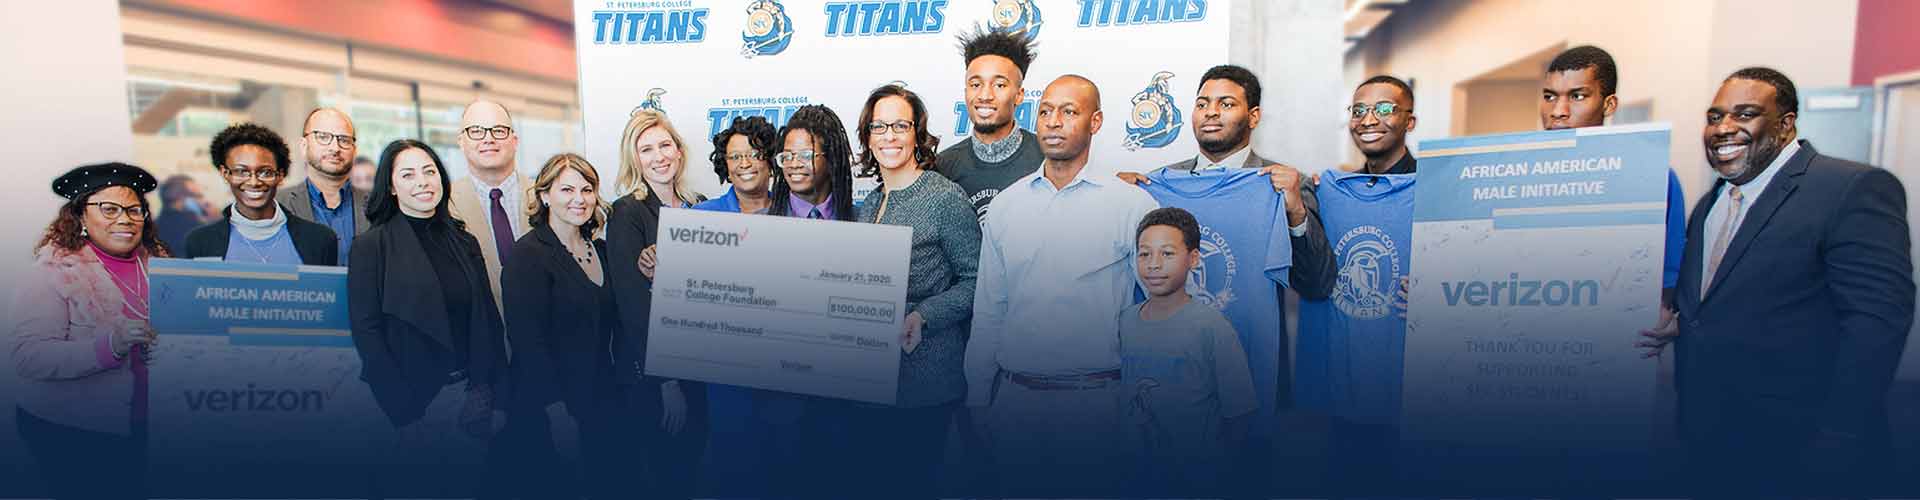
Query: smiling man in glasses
{"points": [[326, 197], [490, 199]]}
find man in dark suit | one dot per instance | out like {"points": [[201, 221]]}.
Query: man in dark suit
{"points": [[1795, 298], [1226, 109], [326, 197]]}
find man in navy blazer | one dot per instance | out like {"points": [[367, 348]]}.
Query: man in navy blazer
{"points": [[1795, 298]]}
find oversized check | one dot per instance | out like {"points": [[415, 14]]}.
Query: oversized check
{"points": [[1537, 261], [786, 304], [255, 364]]}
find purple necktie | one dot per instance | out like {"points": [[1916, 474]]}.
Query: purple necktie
{"points": [[502, 227]]}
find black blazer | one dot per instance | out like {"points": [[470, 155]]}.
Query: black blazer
{"points": [[560, 324], [400, 324], [316, 243], [633, 226], [1804, 324]]}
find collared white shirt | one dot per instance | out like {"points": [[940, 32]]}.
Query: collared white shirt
{"points": [[1236, 160], [1749, 194], [1056, 270], [511, 200]]}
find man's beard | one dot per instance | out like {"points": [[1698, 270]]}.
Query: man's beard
{"points": [[1226, 145], [991, 128], [316, 166], [1762, 154]]}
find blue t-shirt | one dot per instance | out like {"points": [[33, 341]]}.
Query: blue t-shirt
{"points": [[1352, 345], [1245, 249], [276, 249]]}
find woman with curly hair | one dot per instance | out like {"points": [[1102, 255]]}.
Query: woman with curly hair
{"points": [[255, 228], [743, 156], [81, 334]]}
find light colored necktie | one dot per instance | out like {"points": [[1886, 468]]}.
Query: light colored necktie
{"points": [[1727, 228]]}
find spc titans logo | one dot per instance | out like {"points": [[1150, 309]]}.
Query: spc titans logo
{"points": [[1105, 13], [768, 30], [1020, 17], [1369, 270], [1155, 122], [652, 102], [1215, 254], [775, 109], [650, 26]]}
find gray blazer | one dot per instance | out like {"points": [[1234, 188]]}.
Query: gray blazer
{"points": [[299, 204]]}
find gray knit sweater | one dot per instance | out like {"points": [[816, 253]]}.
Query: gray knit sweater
{"points": [[943, 264]]}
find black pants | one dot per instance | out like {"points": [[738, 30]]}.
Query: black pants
{"points": [[899, 451], [81, 464], [522, 462], [635, 442]]}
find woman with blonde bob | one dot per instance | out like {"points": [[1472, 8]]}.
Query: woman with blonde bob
{"points": [[673, 413], [560, 313]]}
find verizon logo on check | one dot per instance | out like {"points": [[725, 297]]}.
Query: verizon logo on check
{"points": [[704, 236]]}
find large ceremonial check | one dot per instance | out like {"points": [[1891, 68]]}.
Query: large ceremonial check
{"points": [[1537, 260], [786, 304], [255, 362]]}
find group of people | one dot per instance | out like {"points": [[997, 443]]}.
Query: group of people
{"points": [[1050, 315]]}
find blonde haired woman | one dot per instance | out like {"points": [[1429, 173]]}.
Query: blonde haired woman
{"points": [[674, 412]]}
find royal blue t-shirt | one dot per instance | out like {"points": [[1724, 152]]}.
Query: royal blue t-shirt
{"points": [[1352, 345], [1245, 249]]}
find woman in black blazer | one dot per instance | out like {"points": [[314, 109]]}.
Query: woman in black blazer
{"points": [[254, 161], [671, 414], [561, 317], [424, 322]]}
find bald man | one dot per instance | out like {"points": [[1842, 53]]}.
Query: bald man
{"points": [[326, 197], [1056, 270], [491, 198]]}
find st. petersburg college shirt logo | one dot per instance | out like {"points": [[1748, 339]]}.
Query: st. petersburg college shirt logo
{"points": [[1369, 269]]}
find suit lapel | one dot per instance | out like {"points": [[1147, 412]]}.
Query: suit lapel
{"points": [[1253, 160], [296, 202], [1778, 190], [407, 263]]}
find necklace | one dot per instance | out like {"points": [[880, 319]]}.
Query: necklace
{"points": [[257, 254], [139, 311]]}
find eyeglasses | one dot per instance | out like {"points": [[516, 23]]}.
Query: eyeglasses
{"points": [[899, 127], [480, 133], [744, 157], [801, 156], [241, 174], [325, 138], [1380, 109], [113, 210]]}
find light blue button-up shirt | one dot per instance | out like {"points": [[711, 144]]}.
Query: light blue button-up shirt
{"points": [[1056, 270]]}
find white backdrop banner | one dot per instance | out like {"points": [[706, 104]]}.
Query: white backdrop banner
{"points": [[707, 62]]}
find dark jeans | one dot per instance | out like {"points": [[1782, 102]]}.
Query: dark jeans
{"points": [[898, 451], [82, 464]]}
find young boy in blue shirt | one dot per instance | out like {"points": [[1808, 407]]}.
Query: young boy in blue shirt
{"points": [[1189, 389]]}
